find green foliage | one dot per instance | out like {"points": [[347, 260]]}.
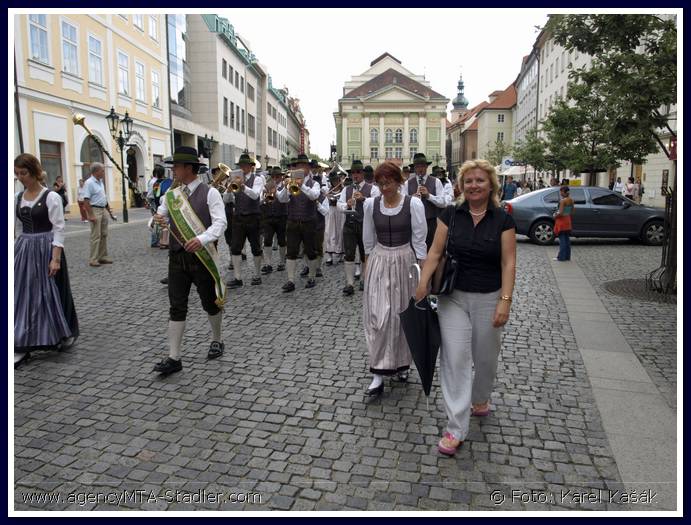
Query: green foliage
{"points": [[531, 150], [497, 152]]}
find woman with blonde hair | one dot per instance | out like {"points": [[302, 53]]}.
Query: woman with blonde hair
{"points": [[483, 242], [44, 313]]}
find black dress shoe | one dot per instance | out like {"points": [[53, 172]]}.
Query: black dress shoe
{"points": [[402, 377], [319, 273], [348, 290], [289, 287], [280, 267], [305, 272], [168, 366], [164, 280], [311, 283], [244, 257], [255, 281], [230, 266], [235, 283], [216, 350], [267, 269], [328, 263], [375, 391]]}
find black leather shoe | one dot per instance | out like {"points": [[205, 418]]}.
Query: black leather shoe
{"points": [[348, 290], [235, 283], [244, 257], [230, 266], [305, 272], [255, 281], [311, 283], [280, 267], [164, 280], [216, 350], [289, 287], [362, 286], [267, 269], [375, 391], [402, 377], [168, 366], [319, 273], [328, 263]]}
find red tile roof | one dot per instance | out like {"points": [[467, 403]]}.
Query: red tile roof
{"points": [[392, 77], [505, 99]]}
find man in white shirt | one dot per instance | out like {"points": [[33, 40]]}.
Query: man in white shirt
{"points": [[430, 190], [96, 207], [184, 267]]}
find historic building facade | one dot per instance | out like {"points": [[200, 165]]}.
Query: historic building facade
{"points": [[80, 63], [389, 113]]}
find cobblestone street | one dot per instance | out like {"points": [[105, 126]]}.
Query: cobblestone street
{"points": [[283, 414]]}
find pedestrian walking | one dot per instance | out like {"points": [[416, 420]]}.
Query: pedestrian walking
{"points": [[394, 232], [59, 188], [630, 189], [80, 200], [430, 190], [44, 313], [618, 186], [275, 215], [562, 224], [471, 318], [335, 220], [192, 259], [96, 206], [640, 191]]}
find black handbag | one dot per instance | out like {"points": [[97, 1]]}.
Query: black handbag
{"points": [[444, 278]]}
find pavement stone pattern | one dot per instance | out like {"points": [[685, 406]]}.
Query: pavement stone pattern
{"points": [[283, 414], [649, 327]]}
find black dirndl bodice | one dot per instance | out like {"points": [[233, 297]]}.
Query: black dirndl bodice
{"points": [[34, 218]]}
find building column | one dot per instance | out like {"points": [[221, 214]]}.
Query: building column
{"points": [[422, 134], [381, 136], [344, 134], [365, 137], [406, 138], [442, 140]]}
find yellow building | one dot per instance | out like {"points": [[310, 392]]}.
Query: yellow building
{"points": [[80, 63]]}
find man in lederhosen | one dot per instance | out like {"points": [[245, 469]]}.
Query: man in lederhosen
{"points": [[301, 226], [430, 190], [184, 267], [275, 219], [351, 203], [315, 175], [246, 220]]}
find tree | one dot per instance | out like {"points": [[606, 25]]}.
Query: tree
{"points": [[531, 150], [496, 152]]}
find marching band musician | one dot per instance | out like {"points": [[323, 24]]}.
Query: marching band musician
{"points": [[184, 266], [246, 220], [322, 213], [315, 175], [301, 226], [440, 173], [333, 231], [351, 203], [430, 190], [275, 218]]}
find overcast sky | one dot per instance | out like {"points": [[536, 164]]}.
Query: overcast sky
{"points": [[486, 45]]}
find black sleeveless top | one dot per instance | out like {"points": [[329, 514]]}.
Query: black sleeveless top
{"points": [[393, 230], [34, 218]]}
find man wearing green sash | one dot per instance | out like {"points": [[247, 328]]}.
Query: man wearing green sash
{"points": [[195, 214]]}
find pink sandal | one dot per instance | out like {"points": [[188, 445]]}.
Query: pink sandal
{"points": [[480, 413], [448, 451]]}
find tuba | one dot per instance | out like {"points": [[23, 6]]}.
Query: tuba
{"points": [[220, 179], [79, 119]]}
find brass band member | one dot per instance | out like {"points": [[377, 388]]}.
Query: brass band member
{"points": [[351, 202], [334, 220], [301, 227], [430, 190], [184, 267], [275, 219], [247, 220]]}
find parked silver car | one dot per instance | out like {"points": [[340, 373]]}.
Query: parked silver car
{"points": [[598, 212]]}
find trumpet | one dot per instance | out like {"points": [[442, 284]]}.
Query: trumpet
{"points": [[291, 182]]}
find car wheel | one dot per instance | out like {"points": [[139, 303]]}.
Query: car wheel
{"points": [[542, 232], [653, 233]]}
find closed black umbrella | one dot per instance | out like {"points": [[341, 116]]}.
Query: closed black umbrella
{"points": [[421, 327]]}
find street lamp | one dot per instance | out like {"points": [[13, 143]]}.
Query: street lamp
{"points": [[121, 140], [208, 146]]}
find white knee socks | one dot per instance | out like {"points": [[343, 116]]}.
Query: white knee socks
{"points": [[237, 266], [350, 272], [176, 329], [376, 381], [215, 322], [257, 265], [291, 264]]}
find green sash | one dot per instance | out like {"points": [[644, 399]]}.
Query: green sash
{"points": [[190, 226]]}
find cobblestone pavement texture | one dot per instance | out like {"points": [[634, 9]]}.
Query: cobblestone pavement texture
{"points": [[282, 413], [649, 327]]}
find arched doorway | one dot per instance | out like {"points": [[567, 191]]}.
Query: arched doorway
{"points": [[89, 154]]}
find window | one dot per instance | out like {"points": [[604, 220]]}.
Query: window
{"points": [[232, 115], [237, 118], [500, 136], [273, 113], [500, 117], [388, 152], [398, 152], [95, 61], [38, 28], [242, 84], [270, 139], [138, 21], [374, 136], [123, 73], [399, 136], [268, 108], [388, 135], [250, 91], [225, 111], [70, 63], [242, 127], [230, 74], [413, 151], [237, 80], [577, 194], [155, 89], [224, 68], [51, 160], [250, 124], [374, 153], [89, 154], [602, 197], [275, 138], [413, 135], [139, 74], [153, 27]]}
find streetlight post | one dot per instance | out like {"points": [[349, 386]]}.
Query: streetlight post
{"points": [[121, 140]]}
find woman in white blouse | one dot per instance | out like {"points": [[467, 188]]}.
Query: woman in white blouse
{"points": [[44, 313], [394, 232]]}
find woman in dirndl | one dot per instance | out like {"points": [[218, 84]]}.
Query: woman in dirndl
{"points": [[44, 313], [394, 232]]}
